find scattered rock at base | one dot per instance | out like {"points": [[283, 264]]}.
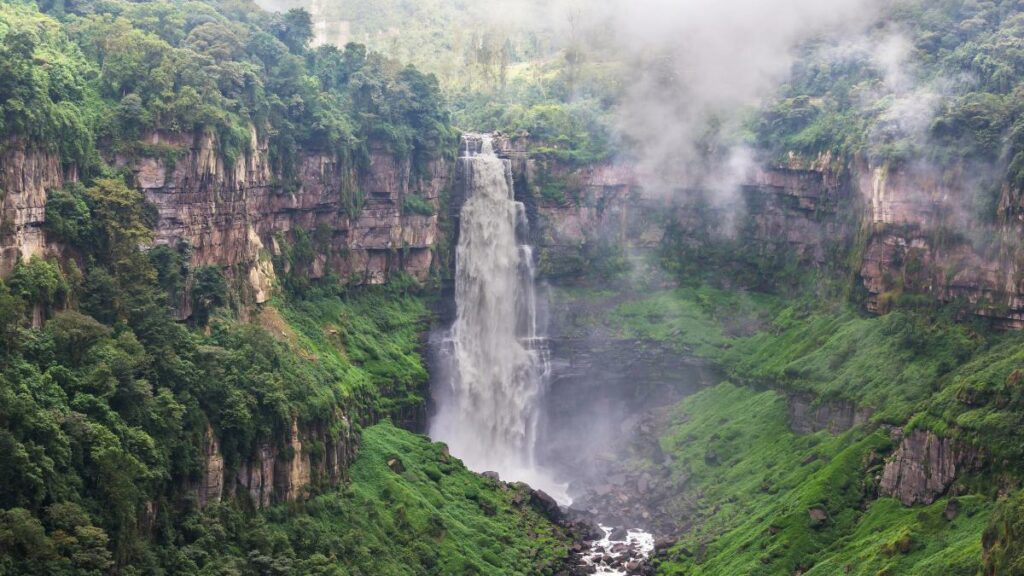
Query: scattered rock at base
{"points": [[546, 504]]}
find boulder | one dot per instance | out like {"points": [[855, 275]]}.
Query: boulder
{"points": [[546, 504]]}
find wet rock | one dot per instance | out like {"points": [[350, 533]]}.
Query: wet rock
{"points": [[492, 475], [618, 534], [643, 484], [952, 509], [663, 543], [546, 504], [806, 416]]}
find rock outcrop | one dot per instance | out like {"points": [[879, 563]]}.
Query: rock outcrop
{"points": [[25, 176], [236, 217], [923, 467], [279, 471], [926, 240]]}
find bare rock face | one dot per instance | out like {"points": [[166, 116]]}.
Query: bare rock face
{"points": [[923, 468], [921, 242], [237, 216], [279, 471], [25, 176], [211, 485], [807, 417], [786, 209]]}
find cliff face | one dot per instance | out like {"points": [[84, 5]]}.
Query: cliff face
{"points": [[25, 176], [909, 231], [278, 472], [923, 467], [797, 211], [236, 216], [926, 240]]}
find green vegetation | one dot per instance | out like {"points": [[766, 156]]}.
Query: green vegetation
{"points": [[409, 509], [758, 483], [890, 364], [1003, 538], [417, 206], [966, 54], [747, 484], [116, 71]]}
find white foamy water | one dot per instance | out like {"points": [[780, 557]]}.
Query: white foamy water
{"points": [[638, 544], [497, 357]]}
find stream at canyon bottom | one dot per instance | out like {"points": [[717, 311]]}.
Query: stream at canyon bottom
{"points": [[494, 362]]}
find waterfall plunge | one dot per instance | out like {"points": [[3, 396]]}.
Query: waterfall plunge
{"points": [[496, 360]]}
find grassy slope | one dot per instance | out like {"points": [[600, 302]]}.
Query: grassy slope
{"points": [[755, 496], [750, 502], [430, 516], [434, 518], [368, 344]]}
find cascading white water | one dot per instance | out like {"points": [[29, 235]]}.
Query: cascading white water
{"points": [[497, 357]]}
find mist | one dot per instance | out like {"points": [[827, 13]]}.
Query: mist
{"points": [[695, 68]]}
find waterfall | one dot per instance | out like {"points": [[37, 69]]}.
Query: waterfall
{"points": [[496, 356]]}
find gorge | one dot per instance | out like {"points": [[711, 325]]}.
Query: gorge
{"points": [[710, 289]]}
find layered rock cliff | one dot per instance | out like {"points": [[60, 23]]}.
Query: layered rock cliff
{"points": [[923, 467], [902, 231], [237, 216], [25, 176]]}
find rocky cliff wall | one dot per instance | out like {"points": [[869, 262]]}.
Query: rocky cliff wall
{"points": [[237, 215], [25, 176], [924, 466], [902, 231], [926, 238], [799, 211], [306, 457]]}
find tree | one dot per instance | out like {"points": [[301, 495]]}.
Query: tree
{"points": [[12, 317], [119, 214], [210, 291], [295, 29]]}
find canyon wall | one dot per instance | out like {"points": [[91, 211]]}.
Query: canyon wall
{"points": [[900, 232], [25, 176], [242, 218], [237, 216], [278, 472]]}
